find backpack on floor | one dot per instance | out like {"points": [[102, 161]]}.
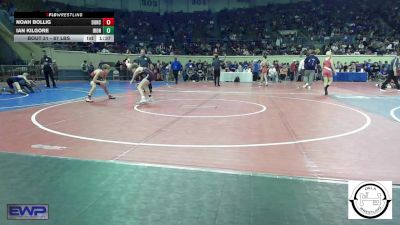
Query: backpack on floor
{"points": [[237, 79]]}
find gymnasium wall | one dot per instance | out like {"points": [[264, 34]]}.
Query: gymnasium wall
{"points": [[68, 60]]}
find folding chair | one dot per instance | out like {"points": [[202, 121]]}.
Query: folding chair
{"points": [[115, 75]]}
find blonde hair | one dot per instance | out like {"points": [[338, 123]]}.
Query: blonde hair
{"points": [[133, 66], [329, 53], [105, 67]]}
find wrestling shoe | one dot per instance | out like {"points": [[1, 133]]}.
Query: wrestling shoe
{"points": [[22, 92], [143, 101], [88, 99]]}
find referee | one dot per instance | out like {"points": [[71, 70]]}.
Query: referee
{"points": [[394, 73], [143, 60], [216, 66], [47, 70]]}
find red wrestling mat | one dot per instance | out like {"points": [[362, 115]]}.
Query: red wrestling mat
{"points": [[284, 131]]}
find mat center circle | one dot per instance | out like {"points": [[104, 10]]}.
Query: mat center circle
{"points": [[201, 108]]}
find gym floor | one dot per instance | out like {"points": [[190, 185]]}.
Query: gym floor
{"points": [[199, 154]]}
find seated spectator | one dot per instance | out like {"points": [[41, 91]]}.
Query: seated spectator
{"points": [[273, 74], [104, 50], [233, 67], [245, 31], [345, 67], [200, 70], [385, 68], [240, 67], [283, 72]]}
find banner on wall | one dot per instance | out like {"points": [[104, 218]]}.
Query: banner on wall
{"points": [[197, 5], [150, 5], [240, 3]]}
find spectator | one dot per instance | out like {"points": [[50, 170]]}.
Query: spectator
{"points": [[189, 70], [240, 67], [283, 72], [362, 29], [264, 71], [90, 68], [84, 68], [293, 70], [118, 65], [55, 70], [104, 50], [301, 70], [124, 73], [273, 74], [233, 67], [32, 68], [201, 70]]}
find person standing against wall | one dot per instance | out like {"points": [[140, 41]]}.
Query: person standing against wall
{"points": [[264, 71], [301, 71], [84, 68], [293, 70], [55, 70], [90, 69]]}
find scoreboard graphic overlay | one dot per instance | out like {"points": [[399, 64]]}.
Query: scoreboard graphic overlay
{"points": [[64, 27]]}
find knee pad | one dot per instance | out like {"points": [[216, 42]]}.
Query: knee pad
{"points": [[92, 83]]}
